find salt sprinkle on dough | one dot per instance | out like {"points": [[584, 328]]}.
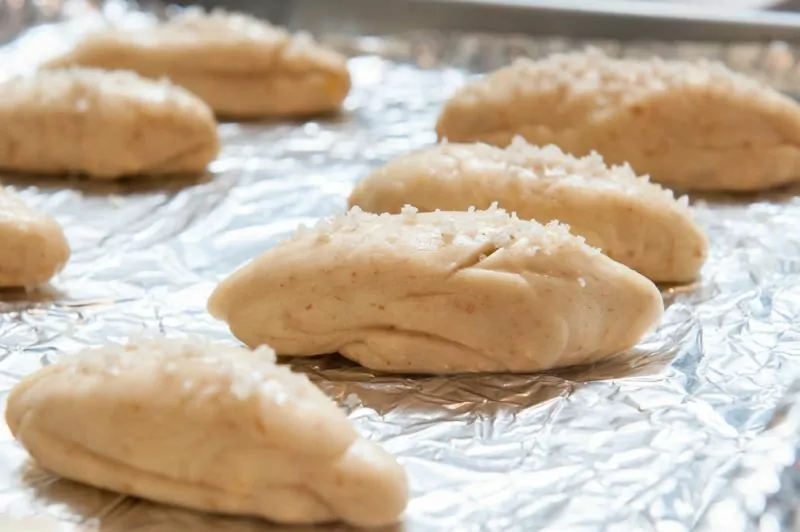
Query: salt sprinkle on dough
{"points": [[689, 125], [33, 247], [205, 426], [633, 221], [104, 124], [439, 292], [239, 65]]}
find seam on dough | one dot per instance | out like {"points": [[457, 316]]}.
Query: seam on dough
{"points": [[477, 256], [385, 329], [107, 461], [428, 336]]}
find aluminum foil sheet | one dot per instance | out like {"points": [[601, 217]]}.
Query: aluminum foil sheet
{"points": [[697, 429]]}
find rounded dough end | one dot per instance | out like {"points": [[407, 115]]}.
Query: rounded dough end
{"points": [[205, 426], [33, 247]]}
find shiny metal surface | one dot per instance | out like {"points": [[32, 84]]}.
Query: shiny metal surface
{"points": [[697, 429], [596, 19]]}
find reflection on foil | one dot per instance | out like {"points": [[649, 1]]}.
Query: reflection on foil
{"points": [[694, 429]]}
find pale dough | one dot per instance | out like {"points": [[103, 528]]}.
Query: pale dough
{"points": [[445, 292], [689, 125], [633, 221], [241, 66], [103, 124], [33, 247], [205, 426]]}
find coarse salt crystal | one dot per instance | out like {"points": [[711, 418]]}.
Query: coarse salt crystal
{"points": [[323, 229], [82, 105], [275, 391], [265, 353], [409, 213], [241, 390]]}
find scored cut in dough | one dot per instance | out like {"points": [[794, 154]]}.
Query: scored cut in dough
{"points": [[444, 292], [631, 220], [33, 247], [103, 124], [205, 426], [689, 125], [240, 66]]}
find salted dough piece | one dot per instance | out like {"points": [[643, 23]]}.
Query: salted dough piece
{"points": [[208, 427], [633, 221], [33, 247], [104, 124], [689, 125], [240, 66], [446, 292]]}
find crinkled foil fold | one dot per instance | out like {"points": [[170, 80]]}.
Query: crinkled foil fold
{"points": [[697, 429]]}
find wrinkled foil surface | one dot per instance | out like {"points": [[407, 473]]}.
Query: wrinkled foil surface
{"points": [[697, 429]]}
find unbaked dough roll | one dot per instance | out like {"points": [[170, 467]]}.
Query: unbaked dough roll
{"points": [[33, 247], [242, 67], [633, 221], [205, 426], [446, 292], [103, 124], [689, 125]]}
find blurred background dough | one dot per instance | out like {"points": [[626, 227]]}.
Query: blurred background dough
{"points": [[103, 124], [693, 126], [240, 66], [33, 247]]}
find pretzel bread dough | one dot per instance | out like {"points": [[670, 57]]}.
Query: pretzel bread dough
{"points": [[103, 124], [240, 66], [447, 292], [633, 221], [205, 426], [33, 247], [689, 125]]}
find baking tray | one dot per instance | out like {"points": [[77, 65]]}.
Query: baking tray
{"points": [[599, 19], [696, 429]]}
